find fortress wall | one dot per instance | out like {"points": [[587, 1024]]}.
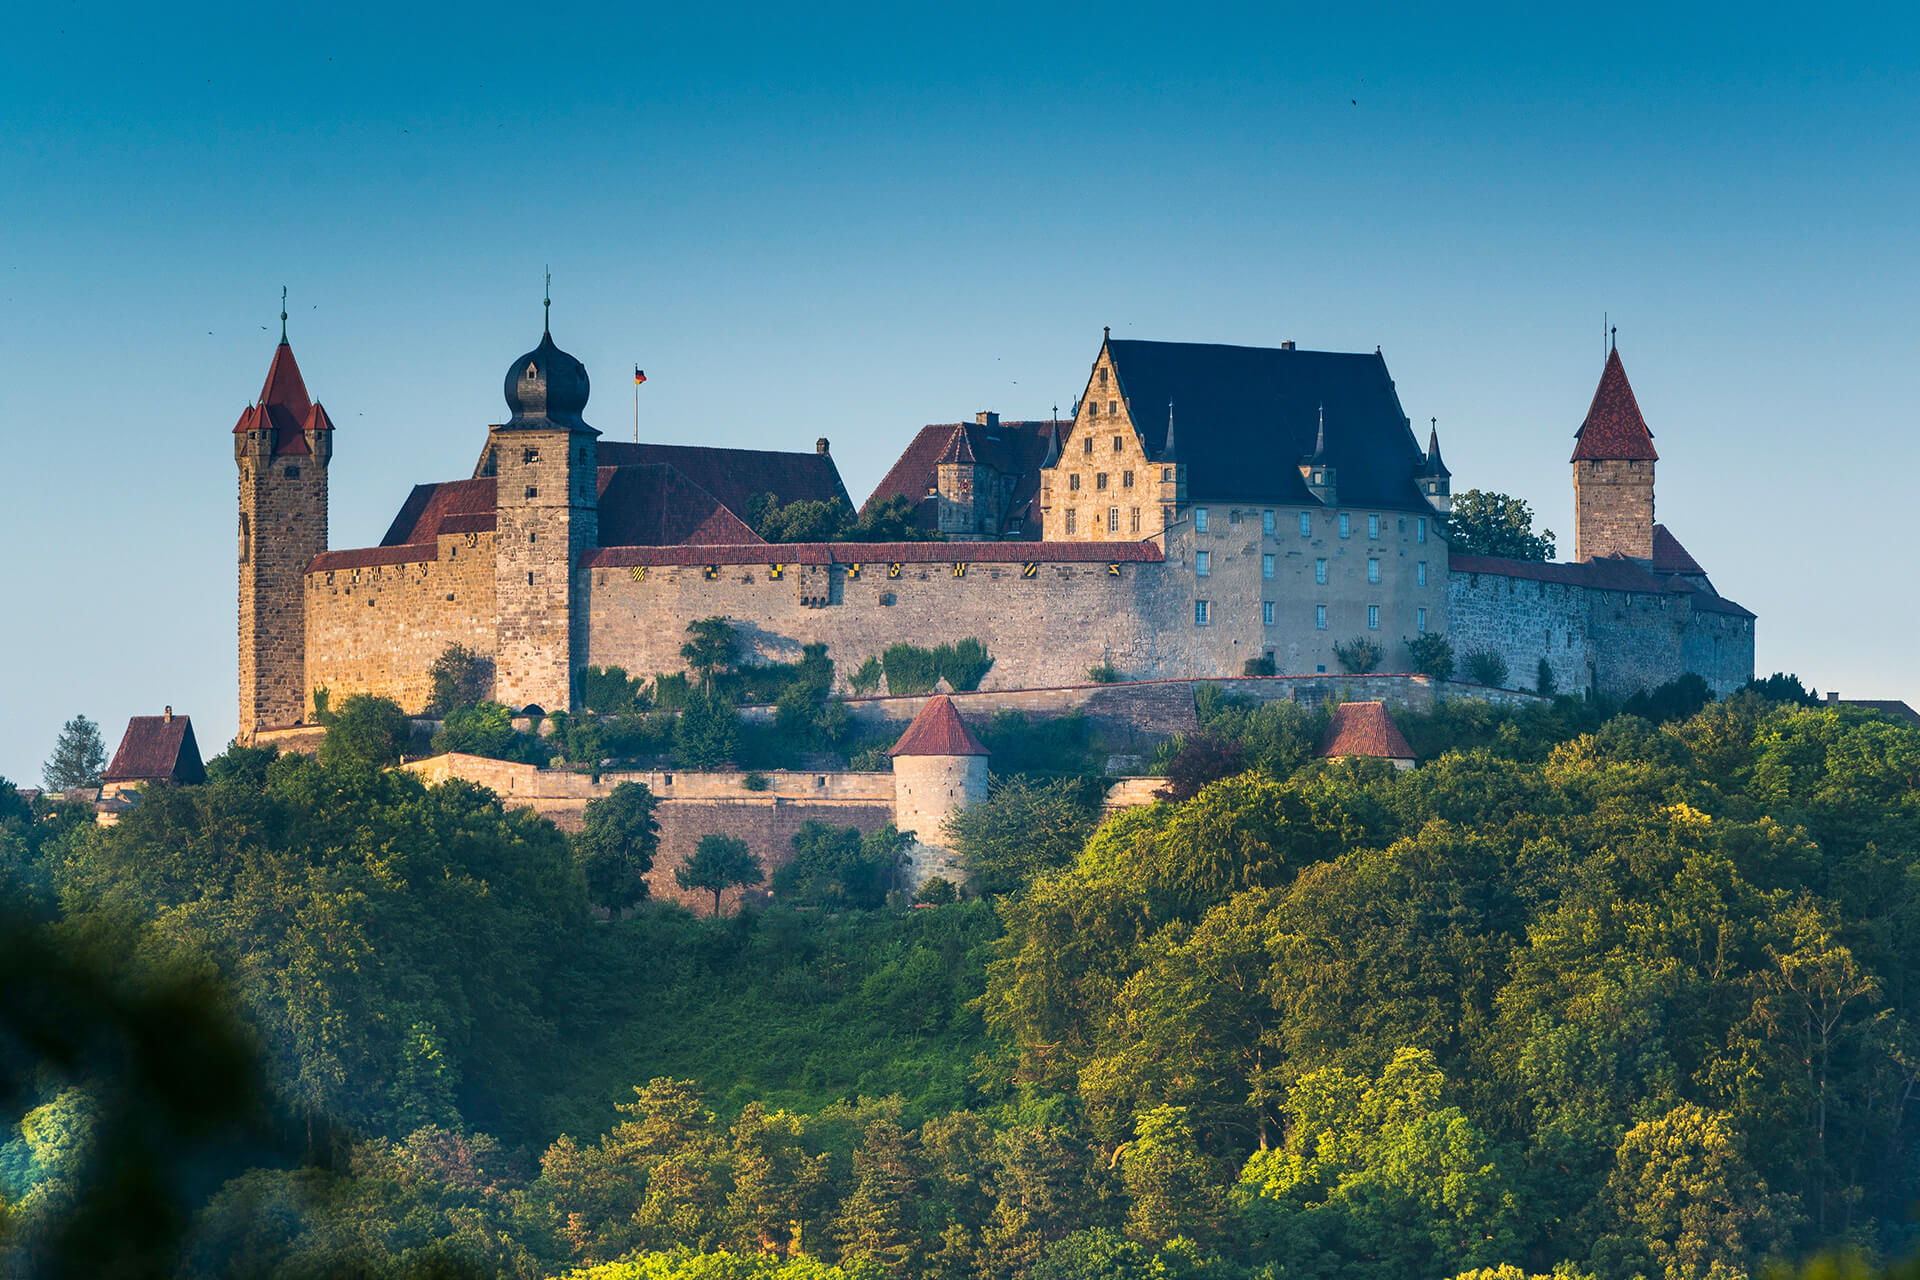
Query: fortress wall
{"points": [[1045, 630], [377, 628], [1522, 621], [1720, 647], [1636, 639]]}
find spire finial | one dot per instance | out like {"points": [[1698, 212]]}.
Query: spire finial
{"points": [[546, 305], [1106, 331], [283, 315], [1614, 334]]}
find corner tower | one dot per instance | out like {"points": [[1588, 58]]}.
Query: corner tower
{"points": [[1613, 461], [282, 445], [938, 766], [544, 457]]}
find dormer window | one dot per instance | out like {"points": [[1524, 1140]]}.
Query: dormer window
{"points": [[533, 371]]}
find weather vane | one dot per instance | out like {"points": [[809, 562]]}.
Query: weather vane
{"points": [[546, 319], [283, 313]]}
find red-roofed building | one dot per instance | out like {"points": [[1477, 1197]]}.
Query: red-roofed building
{"points": [[154, 751], [1365, 729], [974, 481], [1613, 462]]}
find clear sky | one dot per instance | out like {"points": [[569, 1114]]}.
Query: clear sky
{"points": [[848, 222]]}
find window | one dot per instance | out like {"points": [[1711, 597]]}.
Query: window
{"points": [[1420, 530], [1199, 519], [1126, 479], [532, 492], [1266, 566], [1070, 520], [1306, 525], [1086, 445], [1320, 617], [1233, 515], [1320, 572], [531, 455], [1266, 612], [1420, 621], [1113, 408], [1073, 482], [1266, 523], [533, 537], [1420, 573], [1116, 444], [1093, 411], [1103, 377], [1166, 517], [1400, 524], [292, 473], [1200, 610], [1202, 563], [1346, 525], [1113, 519], [1099, 479], [1133, 518], [1373, 617], [1373, 569], [1166, 475], [1373, 526]]}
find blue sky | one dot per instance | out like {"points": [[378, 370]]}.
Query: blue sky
{"points": [[849, 222]]}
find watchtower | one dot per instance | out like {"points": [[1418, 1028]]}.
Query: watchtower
{"points": [[938, 766], [1613, 463], [281, 445]]}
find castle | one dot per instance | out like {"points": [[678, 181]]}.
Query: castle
{"points": [[1203, 508]]}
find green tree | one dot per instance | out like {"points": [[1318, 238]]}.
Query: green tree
{"points": [[837, 867], [366, 732], [486, 729], [78, 759], [618, 839], [876, 1220], [1484, 666], [459, 677], [707, 734], [712, 647], [1358, 655], [1432, 655], [1171, 1188], [1494, 524], [1020, 830], [719, 863]]}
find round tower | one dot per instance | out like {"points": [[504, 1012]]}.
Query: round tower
{"points": [[938, 766]]}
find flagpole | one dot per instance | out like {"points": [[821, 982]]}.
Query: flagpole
{"points": [[636, 404]]}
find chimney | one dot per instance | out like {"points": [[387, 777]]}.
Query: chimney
{"points": [[820, 446], [168, 718], [1833, 695], [986, 418], [1287, 345]]}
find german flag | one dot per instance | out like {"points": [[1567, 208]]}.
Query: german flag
{"points": [[638, 377]]}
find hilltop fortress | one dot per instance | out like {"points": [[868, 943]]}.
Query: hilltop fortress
{"points": [[1202, 506]]}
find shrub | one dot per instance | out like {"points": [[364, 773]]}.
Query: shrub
{"points": [[1260, 666], [872, 757], [837, 867], [670, 691], [1678, 699], [708, 733], [487, 730], [1105, 673], [366, 731], [910, 669], [867, 678], [459, 678], [1358, 655], [610, 691], [1781, 687], [1199, 761], [755, 781], [1543, 681], [937, 891], [1484, 666], [1432, 655], [964, 663]]}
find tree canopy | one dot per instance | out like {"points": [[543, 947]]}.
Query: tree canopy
{"points": [[1494, 524]]}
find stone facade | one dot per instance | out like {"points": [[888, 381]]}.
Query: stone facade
{"points": [[927, 791], [1613, 508]]}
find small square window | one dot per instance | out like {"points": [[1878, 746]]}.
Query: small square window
{"points": [[292, 473], [1420, 530], [1266, 522], [1113, 519], [530, 455], [1373, 569], [1373, 617], [1199, 519], [1200, 611], [1233, 515], [1306, 525], [1099, 479], [1320, 670], [1320, 619], [1266, 566], [1346, 525], [532, 492], [1420, 621], [1266, 612], [1373, 526], [1202, 563], [1320, 572], [1166, 475], [1420, 573], [1126, 479]]}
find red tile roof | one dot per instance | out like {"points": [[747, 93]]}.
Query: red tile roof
{"points": [[938, 731], [1614, 429], [1669, 556], [1603, 573], [430, 507], [737, 476], [1017, 449], [1364, 729], [874, 554], [655, 505], [284, 407], [157, 749]]}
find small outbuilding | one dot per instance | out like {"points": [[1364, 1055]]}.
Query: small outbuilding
{"points": [[156, 750], [1365, 729]]}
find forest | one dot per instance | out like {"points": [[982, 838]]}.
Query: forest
{"points": [[1591, 992]]}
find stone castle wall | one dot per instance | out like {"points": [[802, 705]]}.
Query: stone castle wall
{"points": [[1613, 509], [283, 525]]}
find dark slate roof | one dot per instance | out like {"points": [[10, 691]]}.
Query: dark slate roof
{"points": [[1886, 706], [655, 505], [1602, 573], [1614, 429], [1018, 449], [157, 749], [875, 556], [737, 476], [1248, 415], [938, 731], [1364, 729]]}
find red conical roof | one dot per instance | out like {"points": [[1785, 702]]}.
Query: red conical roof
{"points": [[938, 731], [1614, 429], [1364, 729], [284, 407]]}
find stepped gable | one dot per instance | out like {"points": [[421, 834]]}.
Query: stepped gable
{"points": [[938, 731], [285, 407], [1248, 415], [157, 749], [1614, 429], [737, 476], [655, 505], [1364, 729], [1018, 449]]}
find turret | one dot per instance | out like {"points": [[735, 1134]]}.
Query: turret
{"points": [[1613, 462], [938, 766], [281, 446], [1317, 468], [1436, 482]]}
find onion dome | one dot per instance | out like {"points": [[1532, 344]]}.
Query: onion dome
{"points": [[547, 388]]}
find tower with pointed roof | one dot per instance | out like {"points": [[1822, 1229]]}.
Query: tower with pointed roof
{"points": [[938, 766], [1613, 462], [545, 464], [1436, 482], [281, 445]]}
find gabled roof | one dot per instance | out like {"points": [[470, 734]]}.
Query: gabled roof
{"points": [[1249, 415], [1364, 729], [654, 505], [1602, 573], [1614, 429], [1670, 557], [1894, 707], [1017, 449], [737, 476], [157, 749], [938, 731], [452, 506]]}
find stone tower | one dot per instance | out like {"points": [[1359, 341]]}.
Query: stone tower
{"points": [[548, 514], [938, 766], [1613, 473], [282, 445]]}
